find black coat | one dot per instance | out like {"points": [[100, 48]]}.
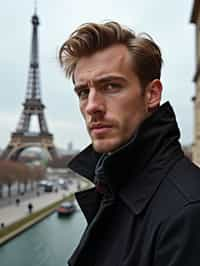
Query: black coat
{"points": [[150, 215]]}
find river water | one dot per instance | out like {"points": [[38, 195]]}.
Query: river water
{"points": [[48, 243]]}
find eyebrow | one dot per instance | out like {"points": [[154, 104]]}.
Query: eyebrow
{"points": [[100, 80]]}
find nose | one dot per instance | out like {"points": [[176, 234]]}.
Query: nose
{"points": [[95, 103]]}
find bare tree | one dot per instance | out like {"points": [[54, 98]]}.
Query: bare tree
{"points": [[25, 175], [32, 176], [22, 172], [40, 172], [1, 181], [8, 173], [12, 171]]}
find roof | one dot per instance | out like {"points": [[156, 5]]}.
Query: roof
{"points": [[195, 11]]}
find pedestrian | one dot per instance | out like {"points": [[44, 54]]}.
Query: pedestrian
{"points": [[17, 201], [30, 208], [144, 209]]}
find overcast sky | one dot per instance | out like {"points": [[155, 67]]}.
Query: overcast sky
{"points": [[168, 22]]}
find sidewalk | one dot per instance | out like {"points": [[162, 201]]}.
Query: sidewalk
{"points": [[6, 201], [12, 213]]}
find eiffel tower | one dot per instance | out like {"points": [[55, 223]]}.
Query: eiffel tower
{"points": [[23, 138]]}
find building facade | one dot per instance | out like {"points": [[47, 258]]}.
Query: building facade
{"points": [[195, 18]]}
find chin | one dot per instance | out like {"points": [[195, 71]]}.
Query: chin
{"points": [[104, 146]]}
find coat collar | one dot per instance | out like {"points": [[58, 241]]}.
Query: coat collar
{"points": [[129, 169], [142, 187]]}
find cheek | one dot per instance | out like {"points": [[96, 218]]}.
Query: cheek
{"points": [[130, 114]]}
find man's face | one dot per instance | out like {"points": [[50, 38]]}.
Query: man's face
{"points": [[110, 97]]}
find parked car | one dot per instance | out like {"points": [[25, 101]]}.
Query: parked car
{"points": [[42, 183], [48, 187]]}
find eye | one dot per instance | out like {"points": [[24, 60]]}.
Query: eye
{"points": [[83, 93], [112, 87]]}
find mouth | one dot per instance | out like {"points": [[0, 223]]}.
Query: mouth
{"points": [[100, 129]]}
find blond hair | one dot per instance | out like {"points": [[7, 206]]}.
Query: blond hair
{"points": [[92, 37]]}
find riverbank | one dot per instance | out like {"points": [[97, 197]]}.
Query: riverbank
{"points": [[14, 229], [16, 218], [47, 243]]}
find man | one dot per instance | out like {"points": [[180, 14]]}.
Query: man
{"points": [[144, 209]]}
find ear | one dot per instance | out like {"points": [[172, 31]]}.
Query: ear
{"points": [[153, 95]]}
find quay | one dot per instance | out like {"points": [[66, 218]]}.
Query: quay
{"points": [[43, 206]]}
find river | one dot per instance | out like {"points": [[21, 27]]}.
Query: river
{"points": [[48, 243]]}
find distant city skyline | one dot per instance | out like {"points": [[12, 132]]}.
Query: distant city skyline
{"points": [[168, 23]]}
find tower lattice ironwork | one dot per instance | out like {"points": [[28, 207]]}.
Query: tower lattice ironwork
{"points": [[23, 138]]}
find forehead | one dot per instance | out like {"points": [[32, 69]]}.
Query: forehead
{"points": [[113, 60]]}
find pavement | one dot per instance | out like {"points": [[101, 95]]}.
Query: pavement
{"points": [[6, 200], [12, 213]]}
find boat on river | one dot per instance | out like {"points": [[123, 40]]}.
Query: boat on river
{"points": [[66, 208]]}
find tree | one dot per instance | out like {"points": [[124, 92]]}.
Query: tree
{"points": [[24, 175], [8, 173], [39, 172], [22, 172]]}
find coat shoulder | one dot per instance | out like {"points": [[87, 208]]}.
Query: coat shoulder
{"points": [[180, 188], [185, 178]]}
